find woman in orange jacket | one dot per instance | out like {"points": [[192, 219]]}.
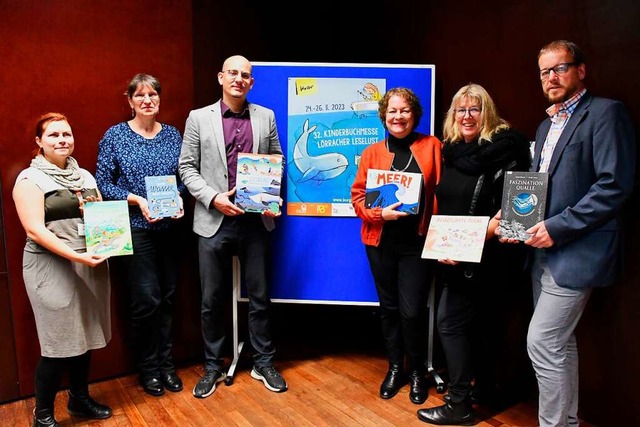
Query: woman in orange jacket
{"points": [[394, 239]]}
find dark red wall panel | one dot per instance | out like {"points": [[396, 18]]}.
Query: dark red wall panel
{"points": [[76, 58]]}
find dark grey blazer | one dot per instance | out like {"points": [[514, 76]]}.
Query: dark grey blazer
{"points": [[203, 159], [591, 174]]}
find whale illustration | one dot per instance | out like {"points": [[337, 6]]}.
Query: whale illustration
{"points": [[318, 168], [265, 198]]}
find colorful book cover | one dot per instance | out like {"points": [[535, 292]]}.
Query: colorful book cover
{"points": [[107, 228], [524, 198], [384, 188], [162, 196], [258, 182], [456, 237]]}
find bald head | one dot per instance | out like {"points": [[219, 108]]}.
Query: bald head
{"points": [[236, 81], [236, 62]]}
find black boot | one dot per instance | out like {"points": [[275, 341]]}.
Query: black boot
{"points": [[455, 414], [82, 405], [419, 388], [44, 418], [393, 381]]}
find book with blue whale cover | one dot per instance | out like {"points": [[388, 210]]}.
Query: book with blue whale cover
{"points": [[524, 197], [162, 196], [384, 188], [258, 182]]}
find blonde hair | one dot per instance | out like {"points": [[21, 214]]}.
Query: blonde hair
{"points": [[490, 122]]}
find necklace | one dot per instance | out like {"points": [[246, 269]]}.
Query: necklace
{"points": [[393, 168]]}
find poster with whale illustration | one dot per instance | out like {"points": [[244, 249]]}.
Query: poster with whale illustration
{"points": [[330, 122]]}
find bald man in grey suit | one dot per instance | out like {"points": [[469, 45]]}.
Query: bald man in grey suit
{"points": [[213, 137]]}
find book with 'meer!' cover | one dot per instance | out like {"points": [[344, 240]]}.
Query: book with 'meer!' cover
{"points": [[258, 181], [524, 197], [384, 188], [162, 196]]}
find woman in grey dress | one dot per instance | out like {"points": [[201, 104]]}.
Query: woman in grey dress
{"points": [[68, 288]]}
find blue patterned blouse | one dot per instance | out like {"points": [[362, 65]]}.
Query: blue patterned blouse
{"points": [[125, 158]]}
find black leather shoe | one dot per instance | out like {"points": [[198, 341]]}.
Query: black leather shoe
{"points": [[393, 381], [455, 414], [171, 381], [152, 386], [84, 406], [419, 389], [44, 418]]}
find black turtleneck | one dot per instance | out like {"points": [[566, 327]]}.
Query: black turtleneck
{"points": [[405, 229], [402, 152]]}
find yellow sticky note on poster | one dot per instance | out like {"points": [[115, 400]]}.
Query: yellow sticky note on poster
{"points": [[306, 86]]}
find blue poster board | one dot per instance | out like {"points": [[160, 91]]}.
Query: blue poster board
{"points": [[322, 260]]}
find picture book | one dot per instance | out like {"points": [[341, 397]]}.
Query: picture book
{"points": [[384, 188], [107, 228], [258, 182], [163, 196], [524, 197], [456, 237]]}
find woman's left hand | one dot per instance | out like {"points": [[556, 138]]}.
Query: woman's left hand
{"points": [[143, 204], [391, 214], [181, 213]]}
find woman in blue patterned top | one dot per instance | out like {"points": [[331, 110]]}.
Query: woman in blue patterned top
{"points": [[129, 152]]}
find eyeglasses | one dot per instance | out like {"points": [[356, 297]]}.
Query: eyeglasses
{"points": [[234, 73], [559, 69], [139, 97], [473, 111]]}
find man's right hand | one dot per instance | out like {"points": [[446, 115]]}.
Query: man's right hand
{"points": [[222, 203]]}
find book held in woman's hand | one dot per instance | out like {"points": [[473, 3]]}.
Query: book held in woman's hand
{"points": [[456, 237], [162, 196], [384, 188], [107, 228]]}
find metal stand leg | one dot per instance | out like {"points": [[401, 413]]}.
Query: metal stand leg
{"points": [[237, 347], [432, 298]]}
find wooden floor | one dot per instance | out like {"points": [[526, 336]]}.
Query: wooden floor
{"points": [[338, 389]]}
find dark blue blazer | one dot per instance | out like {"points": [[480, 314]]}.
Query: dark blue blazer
{"points": [[591, 174]]}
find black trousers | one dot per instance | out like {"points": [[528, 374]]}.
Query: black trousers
{"points": [[402, 280], [246, 237], [471, 325], [152, 273]]}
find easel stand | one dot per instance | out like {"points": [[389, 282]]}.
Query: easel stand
{"points": [[432, 309], [237, 346]]}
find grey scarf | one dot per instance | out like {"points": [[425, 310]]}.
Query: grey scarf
{"points": [[69, 177]]}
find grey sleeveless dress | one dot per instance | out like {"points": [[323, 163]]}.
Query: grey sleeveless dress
{"points": [[70, 300]]}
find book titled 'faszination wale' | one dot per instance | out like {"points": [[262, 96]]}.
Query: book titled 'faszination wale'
{"points": [[258, 182], [524, 197], [384, 188]]}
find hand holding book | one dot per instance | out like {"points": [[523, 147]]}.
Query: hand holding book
{"points": [[391, 212]]}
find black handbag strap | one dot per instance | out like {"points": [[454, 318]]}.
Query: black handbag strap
{"points": [[476, 195]]}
